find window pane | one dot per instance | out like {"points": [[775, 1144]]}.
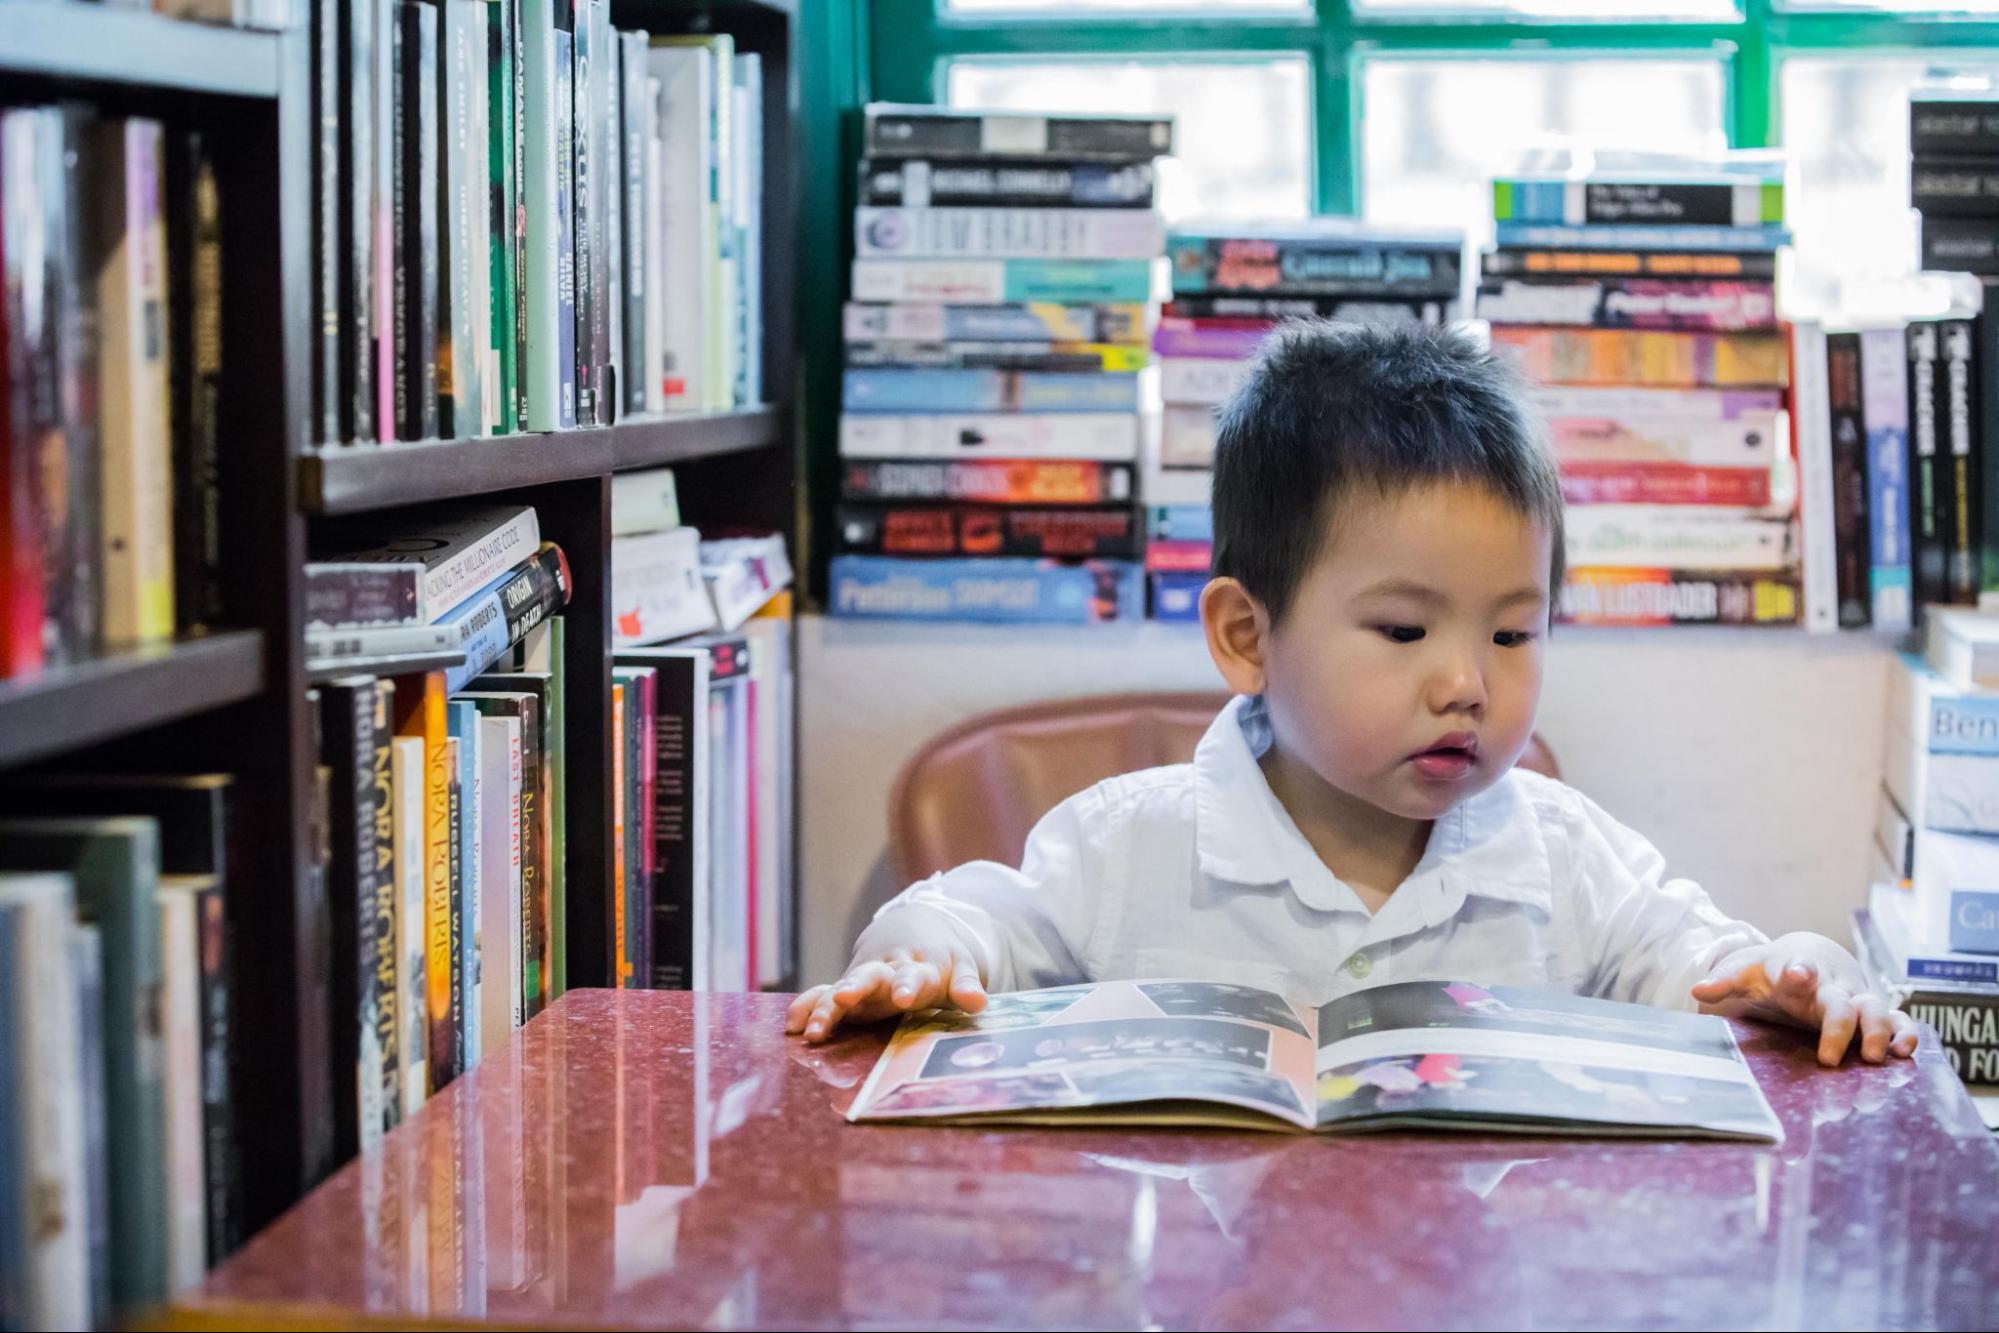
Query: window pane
{"points": [[1123, 8], [1846, 132], [1621, 10], [1436, 131], [1243, 127]]}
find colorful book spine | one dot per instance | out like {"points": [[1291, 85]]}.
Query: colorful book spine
{"points": [[380, 988], [1647, 597], [502, 56], [194, 346], [1585, 483], [1757, 407], [1041, 357], [1929, 568], [622, 925], [1539, 236], [544, 204], [1220, 339], [1104, 436], [1675, 537], [1426, 310], [1167, 556], [1644, 359], [634, 125], [417, 231], [469, 409], [1571, 261], [922, 183], [1960, 522], [422, 717], [1733, 203], [1015, 322], [327, 254], [1009, 591], [501, 614], [1691, 306], [1180, 522], [566, 287], [942, 391], [1176, 597], [468, 896], [585, 164], [1744, 442], [349, 729], [1004, 281], [1307, 266], [891, 131], [1008, 233], [1884, 373], [1099, 533], [411, 922], [994, 481], [1849, 478]]}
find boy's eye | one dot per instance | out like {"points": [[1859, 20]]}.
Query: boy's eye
{"points": [[1401, 633], [1509, 638]]}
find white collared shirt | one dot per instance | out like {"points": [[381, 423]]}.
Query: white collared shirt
{"points": [[1196, 871]]}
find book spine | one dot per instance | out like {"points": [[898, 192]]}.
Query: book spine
{"points": [[422, 243], [1663, 483], [1187, 437], [1003, 281], [621, 923], [1743, 442], [517, 226], [1929, 571], [1572, 261], [502, 58], [1205, 265], [1009, 233], [686, 75], [324, 642], [544, 204], [329, 390], [1019, 322], [459, 797], [1102, 436], [1849, 479], [1176, 597], [379, 935], [501, 616], [616, 165], [402, 133], [1647, 597], [681, 711], [1006, 591], [477, 562], [1099, 533], [1646, 359], [1531, 235], [1949, 126], [471, 899], [1961, 395], [350, 753], [558, 809], [1625, 203], [566, 253], [953, 134], [1179, 557], [1960, 245], [1001, 481], [461, 211], [385, 86], [1701, 306], [194, 308], [1211, 339], [583, 206], [747, 138], [595, 101], [49, 1256], [349, 174], [922, 183], [631, 784], [27, 392], [1673, 537], [1954, 187], [1044, 357], [363, 595], [1985, 462], [1427, 310], [635, 123], [646, 824], [1200, 381], [534, 858], [1755, 407], [939, 391], [72, 294], [312, 944], [412, 924], [1884, 372]]}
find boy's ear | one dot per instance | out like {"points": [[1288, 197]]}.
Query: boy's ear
{"points": [[1238, 629]]}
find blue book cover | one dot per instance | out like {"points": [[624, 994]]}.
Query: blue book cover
{"points": [[989, 391], [1884, 394], [994, 590], [1076, 280], [462, 721], [1002, 281], [1176, 597], [565, 228], [1180, 523], [1974, 920], [482, 633], [1695, 237]]}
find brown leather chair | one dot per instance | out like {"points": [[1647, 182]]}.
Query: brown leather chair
{"points": [[975, 791]]}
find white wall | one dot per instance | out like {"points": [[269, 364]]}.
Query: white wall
{"points": [[1750, 757]]}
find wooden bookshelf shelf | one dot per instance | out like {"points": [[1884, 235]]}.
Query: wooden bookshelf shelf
{"points": [[66, 708], [347, 480], [69, 43]]}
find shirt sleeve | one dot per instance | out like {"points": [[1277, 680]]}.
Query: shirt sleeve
{"points": [[1646, 937], [1027, 928]]}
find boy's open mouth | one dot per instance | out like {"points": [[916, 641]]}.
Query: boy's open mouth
{"points": [[1450, 758]]}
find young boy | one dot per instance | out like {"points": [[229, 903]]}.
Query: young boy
{"points": [[1388, 538]]}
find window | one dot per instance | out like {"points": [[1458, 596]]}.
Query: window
{"points": [[1438, 129], [1243, 127], [1846, 130]]}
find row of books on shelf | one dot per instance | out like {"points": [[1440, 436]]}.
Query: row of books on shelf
{"points": [[525, 219], [275, 15], [111, 385]]}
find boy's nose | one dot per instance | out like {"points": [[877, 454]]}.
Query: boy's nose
{"points": [[1458, 687]]}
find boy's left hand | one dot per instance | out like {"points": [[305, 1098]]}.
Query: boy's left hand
{"points": [[1790, 982]]}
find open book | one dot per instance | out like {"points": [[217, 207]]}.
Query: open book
{"points": [[1443, 1055]]}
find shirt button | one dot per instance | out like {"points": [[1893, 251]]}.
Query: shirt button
{"points": [[1359, 966]]}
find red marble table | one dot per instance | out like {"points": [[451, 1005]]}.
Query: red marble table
{"points": [[649, 1159]]}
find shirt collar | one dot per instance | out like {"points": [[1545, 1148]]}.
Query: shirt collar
{"points": [[1489, 846]]}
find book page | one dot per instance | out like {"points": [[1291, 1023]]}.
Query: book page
{"points": [[1441, 1052], [1110, 1045]]}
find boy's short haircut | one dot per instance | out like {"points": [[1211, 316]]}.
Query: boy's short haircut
{"points": [[1331, 409]]}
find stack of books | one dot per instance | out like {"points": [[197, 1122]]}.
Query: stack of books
{"points": [[1954, 177], [1642, 307], [110, 342], [1233, 283], [997, 366], [527, 220]]}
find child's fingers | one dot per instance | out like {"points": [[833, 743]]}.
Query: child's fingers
{"points": [[1903, 1043], [1841, 1017], [967, 991], [1876, 1030], [825, 1016], [918, 985], [1799, 978], [801, 1009], [863, 981]]}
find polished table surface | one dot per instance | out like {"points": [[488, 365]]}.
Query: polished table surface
{"points": [[661, 1159]]}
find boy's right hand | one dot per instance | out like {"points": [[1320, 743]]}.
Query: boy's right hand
{"points": [[901, 980]]}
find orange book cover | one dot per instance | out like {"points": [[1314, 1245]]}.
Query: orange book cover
{"points": [[420, 714], [620, 927]]}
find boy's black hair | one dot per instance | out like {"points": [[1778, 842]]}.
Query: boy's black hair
{"points": [[1329, 409]]}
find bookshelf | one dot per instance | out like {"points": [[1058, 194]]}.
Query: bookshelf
{"points": [[234, 700]]}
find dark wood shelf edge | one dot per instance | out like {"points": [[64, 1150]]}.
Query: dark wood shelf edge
{"points": [[69, 707], [348, 479], [83, 43]]}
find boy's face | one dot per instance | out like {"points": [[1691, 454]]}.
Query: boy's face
{"points": [[1408, 667]]}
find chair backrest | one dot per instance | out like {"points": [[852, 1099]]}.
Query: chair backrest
{"points": [[975, 791]]}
